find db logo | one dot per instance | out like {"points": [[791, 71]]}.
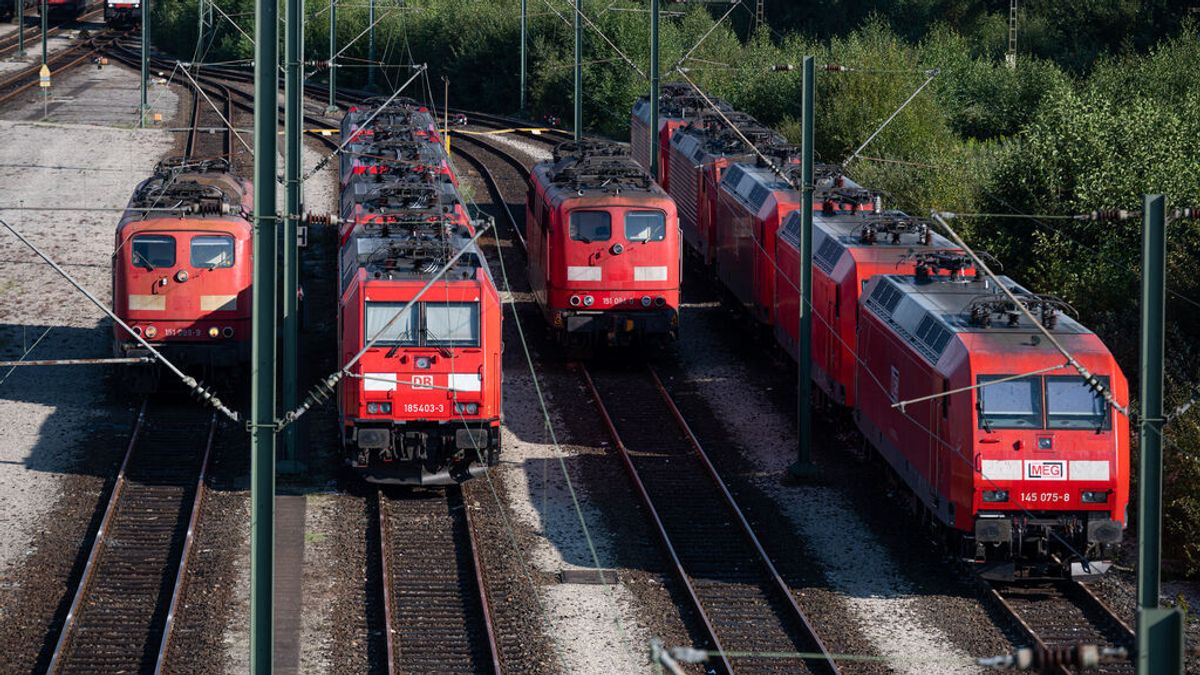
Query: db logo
{"points": [[422, 382], [1047, 470]]}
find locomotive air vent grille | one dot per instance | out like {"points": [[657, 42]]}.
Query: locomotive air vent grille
{"points": [[885, 297], [828, 254]]}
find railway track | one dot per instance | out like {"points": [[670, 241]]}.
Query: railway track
{"points": [[435, 604], [746, 608], [123, 609], [33, 34], [65, 59], [1061, 614], [210, 135]]}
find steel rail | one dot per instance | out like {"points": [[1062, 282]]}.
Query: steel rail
{"points": [[181, 574], [663, 538], [101, 542], [385, 566], [993, 593], [26, 79], [9, 43], [97, 543], [776, 581], [462, 542]]}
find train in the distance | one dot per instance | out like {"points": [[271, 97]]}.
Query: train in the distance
{"points": [[182, 268], [123, 13], [603, 248], [420, 328], [1016, 458]]}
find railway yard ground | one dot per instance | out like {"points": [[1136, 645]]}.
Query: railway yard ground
{"points": [[572, 568]]}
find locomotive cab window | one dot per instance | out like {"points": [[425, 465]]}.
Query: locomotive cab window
{"points": [[1012, 404], [453, 324], [645, 226], [1071, 404], [153, 250], [212, 251], [589, 226], [403, 332]]}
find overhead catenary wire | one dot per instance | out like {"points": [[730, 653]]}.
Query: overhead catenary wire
{"points": [[201, 392], [931, 74]]}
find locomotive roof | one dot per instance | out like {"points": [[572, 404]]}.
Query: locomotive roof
{"points": [[677, 100], [710, 137], [596, 169], [874, 236], [754, 183], [412, 252], [928, 313], [187, 188]]}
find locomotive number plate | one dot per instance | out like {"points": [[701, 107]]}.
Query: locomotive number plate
{"points": [[182, 332], [428, 408], [1045, 497]]}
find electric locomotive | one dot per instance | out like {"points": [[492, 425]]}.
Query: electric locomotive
{"points": [[422, 404], [849, 247], [182, 267], [678, 103], [603, 248], [698, 155], [122, 13], [752, 203], [1020, 458]]}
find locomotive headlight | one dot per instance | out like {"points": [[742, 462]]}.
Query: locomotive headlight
{"points": [[575, 300], [660, 301], [1095, 496], [385, 408], [373, 408], [137, 330], [423, 362], [213, 332], [227, 331], [466, 408], [588, 300], [994, 496], [646, 301], [181, 276], [151, 331]]}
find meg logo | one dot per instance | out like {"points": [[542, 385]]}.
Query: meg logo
{"points": [[1045, 470]]}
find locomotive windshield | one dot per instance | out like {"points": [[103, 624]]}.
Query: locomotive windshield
{"points": [[589, 226], [452, 324], [1071, 404], [153, 250], [645, 225], [402, 332], [427, 324], [212, 251], [1012, 404]]}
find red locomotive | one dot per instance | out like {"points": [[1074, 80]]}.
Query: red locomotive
{"points": [[1031, 464], [182, 267], [698, 156], [678, 104], [751, 205], [122, 13], [422, 404], [603, 247], [849, 247], [1030, 468]]}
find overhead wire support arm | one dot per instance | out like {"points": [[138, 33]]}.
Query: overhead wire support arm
{"points": [[932, 74], [201, 392], [1088, 377]]}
